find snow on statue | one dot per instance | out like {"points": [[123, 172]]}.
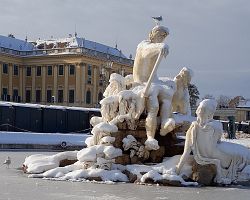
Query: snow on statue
{"points": [[127, 97], [160, 95], [204, 139], [132, 102], [116, 84], [181, 102]]}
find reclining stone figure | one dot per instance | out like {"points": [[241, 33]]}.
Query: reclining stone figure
{"points": [[204, 139]]}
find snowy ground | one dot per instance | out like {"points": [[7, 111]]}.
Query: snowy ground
{"points": [[16, 186], [42, 138]]}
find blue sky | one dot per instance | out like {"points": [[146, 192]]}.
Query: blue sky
{"points": [[211, 37]]}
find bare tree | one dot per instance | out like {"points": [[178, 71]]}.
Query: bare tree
{"points": [[194, 94], [234, 102], [223, 101]]}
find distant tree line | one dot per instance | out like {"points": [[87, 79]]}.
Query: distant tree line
{"points": [[223, 101]]}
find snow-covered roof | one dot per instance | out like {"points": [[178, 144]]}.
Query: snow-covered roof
{"points": [[99, 47], [82, 42], [71, 42], [15, 44], [244, 103]]}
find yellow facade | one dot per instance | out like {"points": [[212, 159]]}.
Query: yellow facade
{"points": [[65, 77]]}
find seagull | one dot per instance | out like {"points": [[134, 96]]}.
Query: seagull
{"points": [[157, 20], [7, 162]]}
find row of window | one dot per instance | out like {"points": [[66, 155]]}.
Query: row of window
{"points": [[5, 69], [49, 70], [50, 98]]}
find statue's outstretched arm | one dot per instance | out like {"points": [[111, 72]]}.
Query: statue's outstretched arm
{"points": [[187, 150]]}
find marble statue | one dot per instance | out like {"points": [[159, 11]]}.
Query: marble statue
{"points": [[204, 139], [129, 80], [109, 110], [116, 84], [109, 107], [147, 53], [159, 96], [127, 97], [181, 102], [131, 105]]}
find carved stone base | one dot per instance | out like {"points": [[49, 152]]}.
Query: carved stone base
{"points": [[204, 174], [170, 145], [131, 177], [123, 160], [157, 156], [66, 162]]}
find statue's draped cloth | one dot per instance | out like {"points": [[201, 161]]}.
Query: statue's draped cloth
{"points": [[207, 149]]}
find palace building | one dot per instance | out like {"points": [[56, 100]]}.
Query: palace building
{"points": [[71, 71]]}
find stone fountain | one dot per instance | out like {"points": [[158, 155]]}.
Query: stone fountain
{"points": [[140, 118]]}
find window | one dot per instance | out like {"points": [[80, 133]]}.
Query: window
{"points": [[89, 74], [49, 96], [5, 68], [28, 71], [15, 95], [60, 71], [88, 97], [71, 96], [15, 70], [15, 92], [89, 80], [28, 96], [49, 72], [100, 96], [60, 96], [89, 70], [71, 69], [248, 115], [38, 71], [101, 77], [5, 94], [5, 91], [38, 96]]}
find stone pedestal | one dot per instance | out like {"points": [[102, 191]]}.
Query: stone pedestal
{"points": [[204, 174], [169, 144]]}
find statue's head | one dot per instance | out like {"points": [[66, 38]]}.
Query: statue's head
{"points": [[158, 34], [186, 75], [114, 77], [129, 79], [206, 109]]}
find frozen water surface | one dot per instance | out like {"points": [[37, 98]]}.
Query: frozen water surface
{"points": [[15, 185]]}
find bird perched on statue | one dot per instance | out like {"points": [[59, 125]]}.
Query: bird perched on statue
{"points": [[7, 162], [157, 19]]}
